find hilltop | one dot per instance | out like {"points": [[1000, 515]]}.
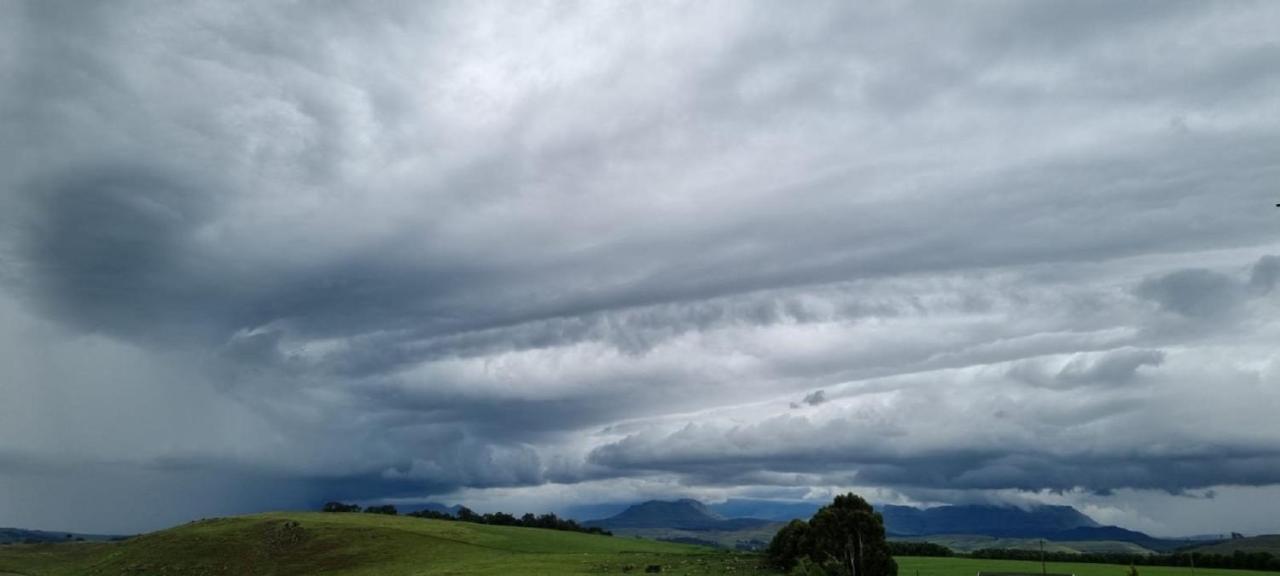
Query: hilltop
{"points": [[1269, 543], [287, 544]]}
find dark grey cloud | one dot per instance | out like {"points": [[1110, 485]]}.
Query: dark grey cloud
{"points": [[527, 254], [1194, 293], [1265, 274], [1111, 368], [110, 249]]}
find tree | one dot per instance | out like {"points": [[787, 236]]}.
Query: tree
{"points": [[851, 533], [793, 542], [468, 515], [387, 509], [499, 519], [340, 507]]}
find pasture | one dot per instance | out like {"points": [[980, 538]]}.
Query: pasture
{"points": [[916, 566]]}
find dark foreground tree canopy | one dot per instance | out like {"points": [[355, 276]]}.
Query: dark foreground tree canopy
{"points": [[464, 514], [844, 538]]}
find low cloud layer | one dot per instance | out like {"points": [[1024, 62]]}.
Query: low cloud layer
{"points": [[535, 256]]}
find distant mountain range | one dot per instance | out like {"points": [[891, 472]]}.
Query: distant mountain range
{"points": [[732, 519], [1035, 522], [1054, 523]]}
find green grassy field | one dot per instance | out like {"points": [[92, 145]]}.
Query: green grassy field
{"points": [[284, 544], [911, 566], [969, 543], [729, 539]]}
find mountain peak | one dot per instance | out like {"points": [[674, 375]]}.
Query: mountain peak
{"points": [[684, 513]]}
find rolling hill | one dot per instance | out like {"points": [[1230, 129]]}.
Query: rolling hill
{"points": [[1266, 543], [690, 522], [285, 544], [969, 542]]}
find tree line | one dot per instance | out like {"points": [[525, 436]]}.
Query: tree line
{"points": [[900, 548], [548, 521], [1239, 560]]}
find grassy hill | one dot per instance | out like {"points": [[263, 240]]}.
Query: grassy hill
{"points": [[750, 538], [1266, 543], [283, 544], [20, 536], [971, 542]]}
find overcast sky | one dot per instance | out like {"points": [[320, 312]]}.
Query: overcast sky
{"points": [[530, 256]]}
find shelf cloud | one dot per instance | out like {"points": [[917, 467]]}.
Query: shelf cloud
{"points": [[531, 254]]}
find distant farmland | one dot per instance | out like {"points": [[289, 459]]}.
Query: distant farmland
{"points": [[297, 544], [916, 566]]}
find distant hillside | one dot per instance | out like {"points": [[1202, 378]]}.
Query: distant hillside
{"points": [[1267, 543], [18, 536], [963, 528], [970, 542], [988, 520], [296, 544], [686, 514], [1053, 523], [1116, 533]]}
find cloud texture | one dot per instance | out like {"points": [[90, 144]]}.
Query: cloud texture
{"points": [[536, 254]]}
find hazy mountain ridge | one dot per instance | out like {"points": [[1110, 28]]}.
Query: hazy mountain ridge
{"points": [[1054, 523], [1039, 521]]}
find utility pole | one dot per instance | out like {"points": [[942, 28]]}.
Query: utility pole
{"points": [[1043, 570]]}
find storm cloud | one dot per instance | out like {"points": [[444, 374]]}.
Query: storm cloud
{"points": [[534, 255]]}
